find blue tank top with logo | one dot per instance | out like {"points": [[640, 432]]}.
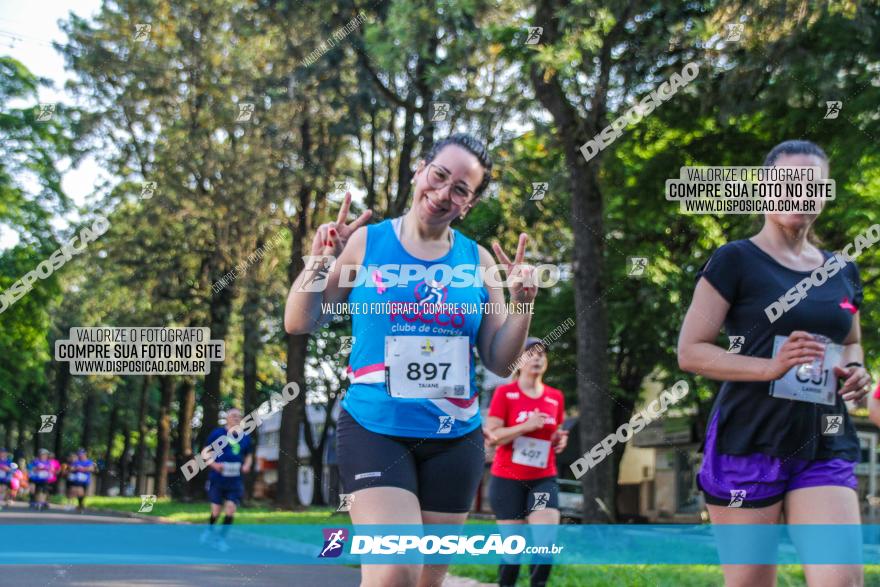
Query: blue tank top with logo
{"points": [[382, 284], [40, 471], [81, 477]]}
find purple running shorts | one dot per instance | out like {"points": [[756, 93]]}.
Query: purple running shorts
{"points": [[757, 480]]}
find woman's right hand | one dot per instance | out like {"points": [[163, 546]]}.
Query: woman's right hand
{"points": [[800, 348], [331, 237], [536, 421]]}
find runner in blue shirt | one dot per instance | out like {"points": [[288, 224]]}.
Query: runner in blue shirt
{"points": [[40, 476], [79, 477], [225, 483], [6, 470], [409, 438]]}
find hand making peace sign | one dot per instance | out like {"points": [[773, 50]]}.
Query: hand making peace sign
{"points": [[331, 237], [520, 281]]}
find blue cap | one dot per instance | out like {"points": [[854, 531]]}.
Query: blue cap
{"points": [[532, 341]]}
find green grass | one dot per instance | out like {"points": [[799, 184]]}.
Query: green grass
{"points": [[642, 575], [563, 576], [197, 512]]}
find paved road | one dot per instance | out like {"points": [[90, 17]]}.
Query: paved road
{"points": [[161, 575]]}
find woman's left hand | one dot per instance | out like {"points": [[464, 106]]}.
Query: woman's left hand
{"points": [[559, 440], [520, 276], [856, 382]]}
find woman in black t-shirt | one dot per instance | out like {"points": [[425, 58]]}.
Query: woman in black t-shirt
{"points": [[768, 454]]}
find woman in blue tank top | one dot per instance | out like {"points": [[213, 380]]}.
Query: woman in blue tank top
{"points": [[409, 438]]}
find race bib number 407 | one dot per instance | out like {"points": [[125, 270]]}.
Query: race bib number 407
{"points": [[427, 367], [531, 452]]}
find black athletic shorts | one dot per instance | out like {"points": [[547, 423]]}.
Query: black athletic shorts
{"points": [[442, 473], [515, 500]]}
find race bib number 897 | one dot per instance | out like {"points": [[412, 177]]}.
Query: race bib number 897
{"points": [[427, 367]]}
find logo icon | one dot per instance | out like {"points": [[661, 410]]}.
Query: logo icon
{"points": [[832, 109], [734, 32], [430, 292], [445, 424], [147, 502], [47, 111], [245, 111], [534, 36], [737, 496], [539, 190], [339, 188], [334, 540], [47, 423], [320, 266], [637, 266], [439, 111], [345, 344], [832, 425], [345, 501], [142, 32], [148, 188], [427, 347], [542, 498], [736, 343]]}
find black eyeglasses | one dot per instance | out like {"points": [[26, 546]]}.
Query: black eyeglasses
{"points": [[439, 177]]}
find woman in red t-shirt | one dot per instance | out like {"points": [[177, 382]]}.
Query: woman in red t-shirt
{"points": [[524, 423], [874, 406]]}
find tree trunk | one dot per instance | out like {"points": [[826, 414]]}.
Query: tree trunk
{"points": [[88, 420], [184, 431], [163, 429], [141, 456], [62, 383], [594, 396], [317, 452], [20, 438], [104, 478], [285, 495], [291, 418], [7, 436], [404, 167], [370, 202], [124, 470], [36, 438], [252, 343], [220, 310]]}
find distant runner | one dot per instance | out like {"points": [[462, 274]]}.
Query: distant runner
{"points": [[7, 469], [78, 478], [225, 483], [525, 423], [40, 475]]}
